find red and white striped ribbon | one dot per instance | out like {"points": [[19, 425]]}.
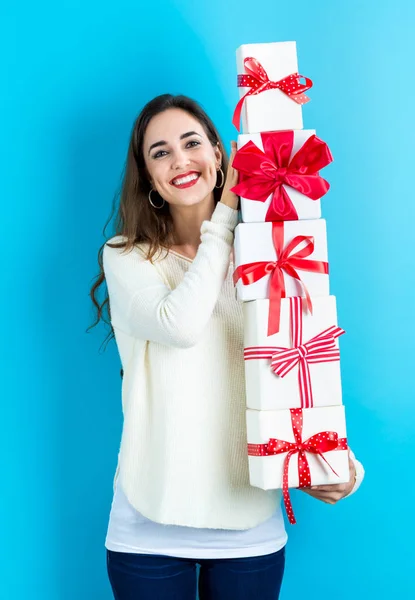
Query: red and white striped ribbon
{"points": [[320, 348]]}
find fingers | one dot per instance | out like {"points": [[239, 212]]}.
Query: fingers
{"points": [[337, 487], [327, 497], [233, 152], [324, 496], [232, 174]]}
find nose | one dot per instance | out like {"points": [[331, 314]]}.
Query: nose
{"points": [[180, 159]]}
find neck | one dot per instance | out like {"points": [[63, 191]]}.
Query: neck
{"points": [[187, 221]]}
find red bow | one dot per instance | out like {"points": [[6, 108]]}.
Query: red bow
{"points": [[286, 261], [257, 79], [264, 173], [319, 443], [320, 348]]}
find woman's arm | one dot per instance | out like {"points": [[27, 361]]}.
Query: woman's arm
{"points": [[143, 306]]}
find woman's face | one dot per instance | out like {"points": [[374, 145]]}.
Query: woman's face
{"points": [[180, 160]]}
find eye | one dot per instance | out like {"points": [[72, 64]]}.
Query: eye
{"points": [[159, 153], [191, 144]]}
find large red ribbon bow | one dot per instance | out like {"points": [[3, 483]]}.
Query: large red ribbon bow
{"points": [[319, 349], [319, 443], [256, 78], [264, 173], [288, 261]]}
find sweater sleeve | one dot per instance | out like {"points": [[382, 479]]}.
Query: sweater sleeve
{"points": [[143, 306], [360, 473]]}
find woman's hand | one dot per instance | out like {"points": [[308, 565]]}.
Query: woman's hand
{"points": [[228, 197], [333, 493]]}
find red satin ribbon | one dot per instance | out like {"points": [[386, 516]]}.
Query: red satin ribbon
{"points": [[288, 261], [319, 443], [264, 173], [256, 78], [319, 349]]}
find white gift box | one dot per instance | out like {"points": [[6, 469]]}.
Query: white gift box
{"points": [[271, 110], [266, 472], [265, 390], [254, 211], [253, 242]]}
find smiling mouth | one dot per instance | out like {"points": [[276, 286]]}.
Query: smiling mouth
{"points": [[187, 181]]}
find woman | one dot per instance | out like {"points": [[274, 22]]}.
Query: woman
{"points": [[181, 489]]}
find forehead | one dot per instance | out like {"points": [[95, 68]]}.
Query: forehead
{"points": [[170, 125]]}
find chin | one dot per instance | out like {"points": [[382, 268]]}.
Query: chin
{"points": [[192, 200]]}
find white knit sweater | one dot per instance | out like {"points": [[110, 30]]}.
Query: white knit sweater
{"points": [[179, 332]]}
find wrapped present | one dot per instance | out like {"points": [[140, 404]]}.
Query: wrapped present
{"points": [[298, 367], [279, 175], [297, 448], [271, 90], [281, 259]]}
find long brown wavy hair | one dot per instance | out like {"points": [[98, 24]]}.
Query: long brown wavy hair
{"points": [[135, 218]]}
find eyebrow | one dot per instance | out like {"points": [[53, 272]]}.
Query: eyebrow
{"points": [[182, 137]]}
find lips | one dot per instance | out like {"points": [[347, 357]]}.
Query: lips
{"points": [[185, 180]]}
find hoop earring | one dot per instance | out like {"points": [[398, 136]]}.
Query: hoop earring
{"points": [[153, 205], [223, 178]]}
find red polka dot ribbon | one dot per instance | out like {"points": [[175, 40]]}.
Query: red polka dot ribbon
{"points": [[256, 78], [287, 261], [262, 173], [319, 443], [319, 349]]}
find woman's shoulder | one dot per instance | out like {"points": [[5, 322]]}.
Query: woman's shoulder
{"points": [[119, 243], [116, 255], [116, 247]]}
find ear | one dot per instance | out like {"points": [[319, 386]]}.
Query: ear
{"points": [[218, 156]]}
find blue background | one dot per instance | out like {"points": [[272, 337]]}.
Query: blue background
{"points": [[74, 77]]}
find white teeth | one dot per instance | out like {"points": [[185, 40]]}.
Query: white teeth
{"points": [[184, 180]]}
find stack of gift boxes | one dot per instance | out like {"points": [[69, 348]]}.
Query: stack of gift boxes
{"points": [[295, 416]]}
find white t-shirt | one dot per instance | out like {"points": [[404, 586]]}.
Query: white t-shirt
{"points": [[129, 531]]}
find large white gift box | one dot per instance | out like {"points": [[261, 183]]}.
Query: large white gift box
{"points": [[266, 472], [254, 211], [253, 242], [306, 382], [270, 110]]}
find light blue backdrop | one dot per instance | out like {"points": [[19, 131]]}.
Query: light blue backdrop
{"points": [[74, 76]]}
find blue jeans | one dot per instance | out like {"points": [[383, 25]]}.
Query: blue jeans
{"points": [[155, 577]]}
